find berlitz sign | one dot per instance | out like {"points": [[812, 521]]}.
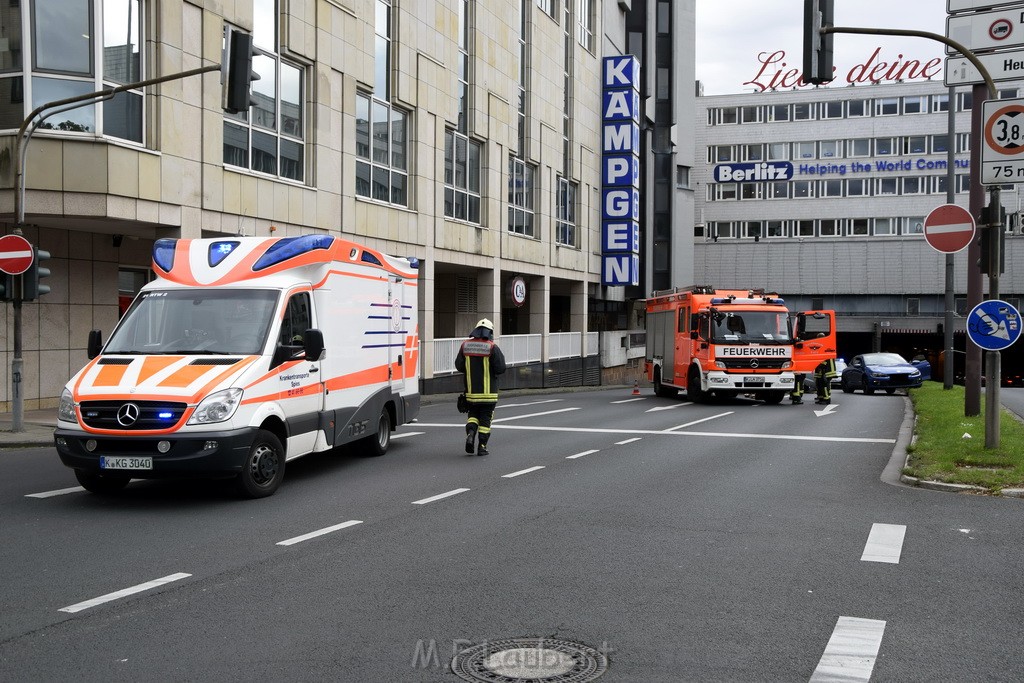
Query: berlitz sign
{"points": [[774, 73]]}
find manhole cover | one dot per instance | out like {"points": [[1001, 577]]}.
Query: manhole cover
{"points": [[529, 660]]}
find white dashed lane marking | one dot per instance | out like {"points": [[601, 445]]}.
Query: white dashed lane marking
{"points": [[523, 417], [526, 471], [851, 651], [623, 443], [405, 434], [885, 543], [57, 492], [109, 597], [580, 455], [439, 496], [320, 532], [703, 419]]}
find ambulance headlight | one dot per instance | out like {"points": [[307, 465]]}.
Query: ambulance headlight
{"points": [[66, 409], [217, 407]]}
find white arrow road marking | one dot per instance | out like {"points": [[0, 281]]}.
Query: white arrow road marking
{"points": [[885, 543], [523, 417], [851, 651], [78, 607], [827, 410]]}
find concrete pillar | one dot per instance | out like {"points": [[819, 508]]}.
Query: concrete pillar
{"points": [[538, 299]]}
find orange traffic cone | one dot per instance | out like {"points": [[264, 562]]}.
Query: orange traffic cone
{"points": [[636, 388]]}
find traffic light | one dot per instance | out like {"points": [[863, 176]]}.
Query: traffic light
{"points": [[31, 283], [236, 71], [818, 46]]}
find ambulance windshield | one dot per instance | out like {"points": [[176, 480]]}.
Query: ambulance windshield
{"points": [[763, 327], [196, 321]]}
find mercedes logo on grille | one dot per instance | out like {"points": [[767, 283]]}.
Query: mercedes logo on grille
{"points": [[754, 363], [127, 414]]}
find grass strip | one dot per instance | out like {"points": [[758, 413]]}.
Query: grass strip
{"points": [[949, 447]]}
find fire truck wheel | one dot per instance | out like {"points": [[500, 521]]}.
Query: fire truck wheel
{"points": [[102, 483], [774, 397], [377, 444], [660, 389], [693, 388], [264, 468]]}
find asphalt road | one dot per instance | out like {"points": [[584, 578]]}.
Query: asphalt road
{"points": [[734, 541]]}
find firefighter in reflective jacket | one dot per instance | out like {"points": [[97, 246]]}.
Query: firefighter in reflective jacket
{"points": [[481, 361], [823, 376]]}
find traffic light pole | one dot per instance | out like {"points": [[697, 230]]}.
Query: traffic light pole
{"points": [[993, 259], [24, 135]]}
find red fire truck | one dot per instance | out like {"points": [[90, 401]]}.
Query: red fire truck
{"points": [[729, 342]]}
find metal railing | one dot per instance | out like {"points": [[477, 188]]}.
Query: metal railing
{"points": [[519, 349]]}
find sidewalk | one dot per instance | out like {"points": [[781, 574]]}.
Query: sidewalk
{"points": [[38, 429]]}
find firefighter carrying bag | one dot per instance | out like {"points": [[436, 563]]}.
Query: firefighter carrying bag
{"points": [[462, 404]]}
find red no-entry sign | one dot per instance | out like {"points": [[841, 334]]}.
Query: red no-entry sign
{"points": [[15, 254], [949, 228]]}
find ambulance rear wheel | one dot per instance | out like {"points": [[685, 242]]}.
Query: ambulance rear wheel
{"points": [[693, 388], [264, 467], [660, 389], [377, 444], [103, 484]]}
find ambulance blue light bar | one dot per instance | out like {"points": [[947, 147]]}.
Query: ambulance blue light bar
{"points": [[290, 247]]}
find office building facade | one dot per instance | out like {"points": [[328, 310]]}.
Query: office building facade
{"points": [[466, 133]]}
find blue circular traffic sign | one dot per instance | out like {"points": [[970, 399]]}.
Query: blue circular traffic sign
{"points": [[993, 325]]}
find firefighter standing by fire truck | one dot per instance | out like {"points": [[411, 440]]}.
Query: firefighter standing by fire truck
{"points": [[823, 376]]}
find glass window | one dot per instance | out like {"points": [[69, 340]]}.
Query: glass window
{"points": [[915, 105], [832, 110], [803, 189], [940, 184], [831, 188], [915, 144], [940, 143], [727, 190], [565, 213], [462, 196], [963, 143], [775, 228], [803, 111], [728, 115], [778, 151], [753, 152], [803, 150], [861, 147], [885, 226], [831, 148], [585, 23], [777, 189], [803, 228], [60, 36], [830, 227], [381, 162], [964, 101], [858, 187], [887, 106], [520, 197], [750, 190], [725, 153], [857, 227], [751, 229], [886, 146], [750, 114], [270, 137], [887, 186], [940, 103], [858, 108], [778, 112], [723, 229], [913, 185], [915, 225]]}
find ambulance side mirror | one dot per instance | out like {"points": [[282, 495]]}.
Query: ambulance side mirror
{"points": [[95, 343], [313, 344]]}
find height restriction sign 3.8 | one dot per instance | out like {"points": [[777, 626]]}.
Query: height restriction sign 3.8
{"points": [[1002, 155]]}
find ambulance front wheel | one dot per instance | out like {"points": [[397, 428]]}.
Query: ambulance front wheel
{"points": [[377, 444], [102, 483], [264, 467]]}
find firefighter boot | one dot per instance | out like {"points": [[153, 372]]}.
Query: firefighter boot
{"points": [[470, 438], [482, 448]]}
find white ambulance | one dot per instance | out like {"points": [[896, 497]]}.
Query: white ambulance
{"points": [[245, 353]]}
